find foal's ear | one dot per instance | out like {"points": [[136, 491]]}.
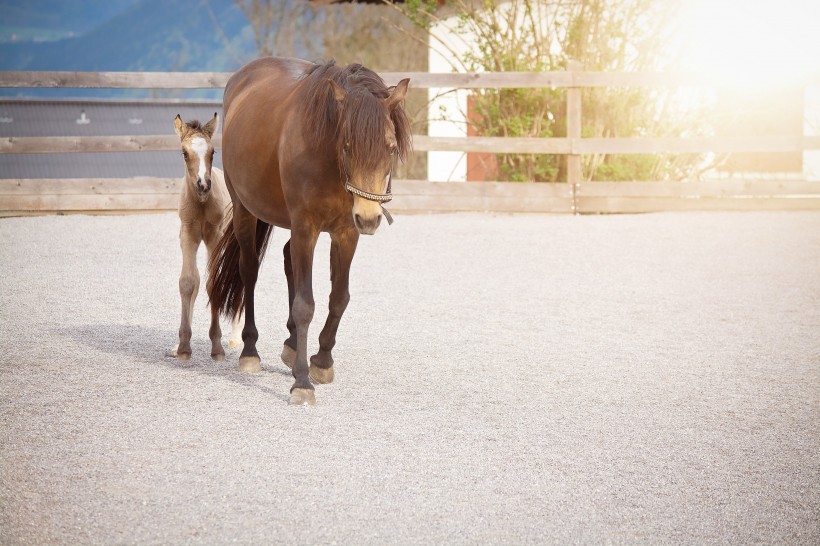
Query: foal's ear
{"points": [[338, 92], [179, 126], [397, 94], [211, 127]]}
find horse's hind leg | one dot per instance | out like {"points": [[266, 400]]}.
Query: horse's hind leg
{"points": [[190, 235], [211, 236], [244, 225], [342, 249]]}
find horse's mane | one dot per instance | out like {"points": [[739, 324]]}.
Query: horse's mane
{"points": [[194, 125], [363, 126]]}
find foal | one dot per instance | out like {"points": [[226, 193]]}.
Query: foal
{"points": [[204, 206]]}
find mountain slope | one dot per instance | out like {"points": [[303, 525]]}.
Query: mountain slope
{"points": [[39, 19], [187, 35]]}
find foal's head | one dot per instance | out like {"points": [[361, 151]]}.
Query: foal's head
{"points": [[198, 152], [373, 132]]}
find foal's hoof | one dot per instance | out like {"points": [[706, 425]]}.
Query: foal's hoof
{"points": [[288, 356], [319, 375], [302, 397], [218, 357], [250, 364], [234, 343]]}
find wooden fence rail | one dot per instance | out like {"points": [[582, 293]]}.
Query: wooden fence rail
{"points": [[422, 143], [575, 196]]}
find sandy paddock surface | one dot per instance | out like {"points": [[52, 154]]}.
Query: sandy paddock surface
{"points": [[499, 380]]}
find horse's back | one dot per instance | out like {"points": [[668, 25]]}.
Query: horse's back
{"points": [[268, 78], [258, 100]]}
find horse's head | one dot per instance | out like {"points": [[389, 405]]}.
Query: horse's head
{"points": [[198, 152], [373, 132]]}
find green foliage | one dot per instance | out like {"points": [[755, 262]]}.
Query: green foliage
{"points": [[546, 35], [420, 11]]}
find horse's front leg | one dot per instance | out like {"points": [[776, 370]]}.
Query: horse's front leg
{"points": [[302, 245], [190, 235], [342, 249]]}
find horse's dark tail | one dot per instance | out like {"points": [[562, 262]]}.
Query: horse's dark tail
{"points": [[225, 288]]}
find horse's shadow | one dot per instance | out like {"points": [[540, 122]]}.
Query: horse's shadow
{"points": [[146, 344]]}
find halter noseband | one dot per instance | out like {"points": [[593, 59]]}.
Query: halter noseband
{"points": [[380, 198]]}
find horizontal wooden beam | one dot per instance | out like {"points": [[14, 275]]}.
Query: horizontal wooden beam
{"points": [[729, 188], [694, 145], [498, 145], [116, 80], [45, 196], [422, 143], [48, 196], [90, 186], [463, 80]]}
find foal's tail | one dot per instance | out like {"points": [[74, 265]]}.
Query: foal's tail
{"points": [[225, 288]]}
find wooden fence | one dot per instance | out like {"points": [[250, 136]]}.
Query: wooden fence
{"points": [[22, 196]]}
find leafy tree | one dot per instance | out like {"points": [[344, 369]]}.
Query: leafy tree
{"points": [[547, 35]]}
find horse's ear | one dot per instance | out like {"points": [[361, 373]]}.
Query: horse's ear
{"points": [[398, 93], [338, 92], [179, 126], [211, 127]]}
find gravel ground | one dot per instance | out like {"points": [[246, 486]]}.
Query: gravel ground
{"points": [[499, 380]]}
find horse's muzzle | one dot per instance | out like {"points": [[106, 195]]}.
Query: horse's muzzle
{"points": [[203, 186], [367, 226]]}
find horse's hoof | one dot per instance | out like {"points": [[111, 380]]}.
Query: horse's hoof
{"points": [[288, 356], [179, 356], [302, 397], [319, 375], [233, 344], [250, 364], [218, 357]]}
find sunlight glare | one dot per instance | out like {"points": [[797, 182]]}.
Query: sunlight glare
{"points": [[752, 41]]}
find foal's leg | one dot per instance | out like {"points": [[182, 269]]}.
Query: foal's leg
{"points": [[342, 248], [303, 243], [244, 226], [190, 235], [289, 347], [211, 235]]}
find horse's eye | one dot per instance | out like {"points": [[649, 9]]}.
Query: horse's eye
{"points": [[184, 154]]}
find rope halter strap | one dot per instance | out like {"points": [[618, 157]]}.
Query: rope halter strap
{"points": [[380, 198]]}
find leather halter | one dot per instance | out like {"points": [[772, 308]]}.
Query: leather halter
{"points": [[380, 198]]}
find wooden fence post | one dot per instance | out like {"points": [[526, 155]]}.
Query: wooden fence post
{"points": [[574, 171]]}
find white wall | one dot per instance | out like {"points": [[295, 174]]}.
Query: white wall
{"points": [[447, 111]]}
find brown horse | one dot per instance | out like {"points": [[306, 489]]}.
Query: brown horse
{"points": [[309, 148], [204, 205]]}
